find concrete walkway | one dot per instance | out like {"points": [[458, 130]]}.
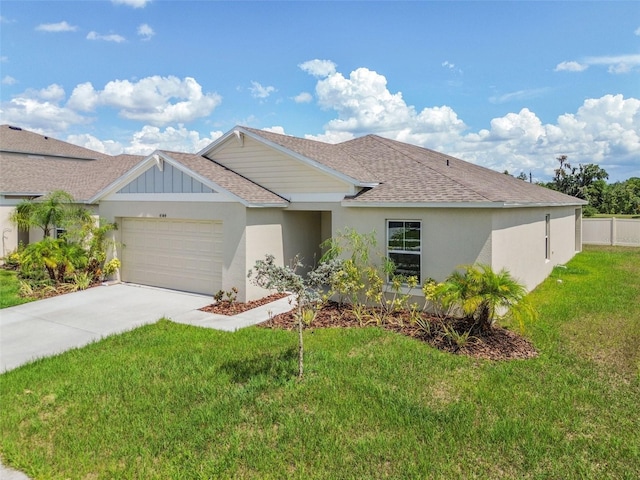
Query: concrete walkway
{"points": [[54, 325]]}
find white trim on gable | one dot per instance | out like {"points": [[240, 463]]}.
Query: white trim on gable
{"points": [[153, 161], [238, 131]]}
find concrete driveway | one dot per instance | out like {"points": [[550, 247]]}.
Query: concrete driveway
{"points": [[50, 326]]}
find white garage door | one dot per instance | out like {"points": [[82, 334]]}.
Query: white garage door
{"points": [[179, 254]]}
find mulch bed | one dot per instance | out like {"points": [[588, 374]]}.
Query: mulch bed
{"points": [[498, 344], [234, 308]]}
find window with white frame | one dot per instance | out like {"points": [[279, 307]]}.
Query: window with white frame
{"points": [[547, 237], [404, 247]]}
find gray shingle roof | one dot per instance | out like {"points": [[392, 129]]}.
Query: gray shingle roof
{"points": [[247, 190], [409, 174], [34, 164]]}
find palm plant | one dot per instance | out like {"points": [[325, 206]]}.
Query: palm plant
{"points": [[55, 209], [483, 296]]}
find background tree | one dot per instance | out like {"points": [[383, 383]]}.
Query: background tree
{"points": [[622, 198], [584, 181]]}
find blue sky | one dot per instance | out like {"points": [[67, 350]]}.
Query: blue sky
{"points": [[508, 85]]}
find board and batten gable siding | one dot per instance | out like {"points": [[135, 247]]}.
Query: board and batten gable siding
{"points": [[169, 180], [275, 170]]}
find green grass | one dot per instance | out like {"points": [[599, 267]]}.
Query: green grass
{"points": [[9, 287], [172, 401]]}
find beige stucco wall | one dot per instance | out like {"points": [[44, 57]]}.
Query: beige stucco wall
{"points": [[519, 241], [450, 237], [511, 238], [9, 231], [284, 234]]}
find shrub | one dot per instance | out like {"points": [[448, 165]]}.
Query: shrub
{"points": [[111, 267], [483, 296]]}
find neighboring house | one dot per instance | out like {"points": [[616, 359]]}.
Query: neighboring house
{"points": [[198, 222], [32, 165]]}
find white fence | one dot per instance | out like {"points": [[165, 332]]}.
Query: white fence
{"points": [[611, 231]]}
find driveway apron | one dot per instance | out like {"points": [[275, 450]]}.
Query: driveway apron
{"points": [[51, 326]]}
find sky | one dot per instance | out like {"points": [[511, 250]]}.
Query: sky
{"points": [[507, 85]]}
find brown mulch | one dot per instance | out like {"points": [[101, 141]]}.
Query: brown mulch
{"points": [[498, 344], [234, 308]]}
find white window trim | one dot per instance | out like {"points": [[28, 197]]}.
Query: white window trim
{"points": [[410, 252], [547, 237]]}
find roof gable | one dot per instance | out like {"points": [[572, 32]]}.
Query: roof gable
{"points": [[166, 172], [163, 178]]}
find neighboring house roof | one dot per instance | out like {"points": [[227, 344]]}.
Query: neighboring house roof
{"points": [[33, 164], [412, 175], [251, 193]]}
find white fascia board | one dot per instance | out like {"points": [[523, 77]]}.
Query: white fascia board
{"points": [[315, 197], [217, 142], [306, 160], [125, 178], [150, 162], [505, 205]]}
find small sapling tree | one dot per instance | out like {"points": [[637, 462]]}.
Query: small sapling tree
{"points": [[268, 275]]}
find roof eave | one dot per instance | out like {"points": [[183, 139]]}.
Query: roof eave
{"points": [[505, 205]]}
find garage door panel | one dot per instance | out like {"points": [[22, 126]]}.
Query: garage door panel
{"points": [[179, 254]]}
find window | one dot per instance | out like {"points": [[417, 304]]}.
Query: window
{"points": [[404, 247], [547, 237]]}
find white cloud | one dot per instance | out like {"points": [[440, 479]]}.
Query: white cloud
{"points": [[258, 91], [40, 111], [637, 31], [276, 129], [83, 98], [364, 104], [156, 100], [148, 139], [615, 63], [52, 93], [113, 37], [319, 68], [145, 31], [4, 58], [448, 65], [9, 80], [570, 67], [178, 139], [303, 97], [603, 130], [110, 147], [56, 27], [132, 3], [151, 99]]}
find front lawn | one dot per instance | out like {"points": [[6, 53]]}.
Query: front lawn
{"points": [[173, 401], [9, 289]]}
